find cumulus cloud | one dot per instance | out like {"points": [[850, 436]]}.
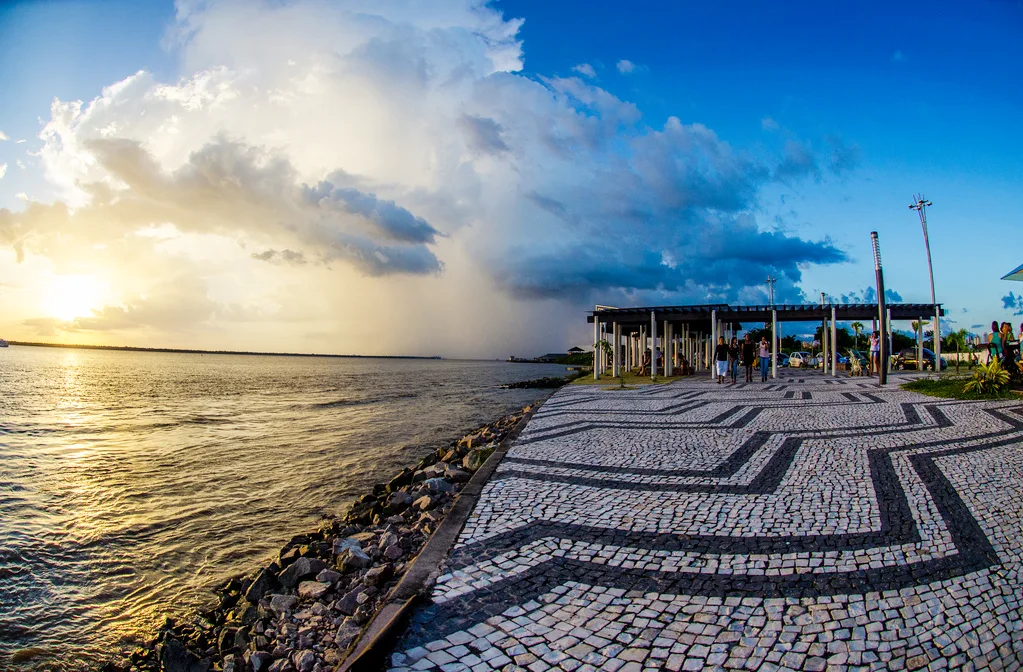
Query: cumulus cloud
{"points": [[3, 170], [769, 124], [1014, 303], [869, 295], [3, 136], [395, 146], [585, 69]]}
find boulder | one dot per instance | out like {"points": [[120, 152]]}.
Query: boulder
{"points": [[350, 602], [456, 475], [353, 559], [387, 539], [176, 658], [259, 587], [225, 642], [347, 633], [282, 603], [282, 665], [475, 459], [377, 575], [397, 502], [328, 576], [233, 664], [301, 569], [438, 485], [341, 545], [304, 661], [260, 661], [424, 503], [393, 552], [311, 590], [403, 478]]}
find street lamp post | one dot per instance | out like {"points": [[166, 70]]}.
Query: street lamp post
{"points": [[882, 369], [921, 206]]}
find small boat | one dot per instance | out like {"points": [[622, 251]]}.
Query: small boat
{"points": [[3, 343]]}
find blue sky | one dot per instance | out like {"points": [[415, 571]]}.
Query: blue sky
{"points": [[824, 121]]}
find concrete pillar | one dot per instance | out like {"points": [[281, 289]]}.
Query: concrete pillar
{"points": [[596, 348], [615, 364], [666, 341], [834, 340], [653, 345], [937, 339], [774, 343], [920, 344], [714, 343]]}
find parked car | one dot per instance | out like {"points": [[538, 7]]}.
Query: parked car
{"points": [[783, 359], [907, 359], [803, 360]]}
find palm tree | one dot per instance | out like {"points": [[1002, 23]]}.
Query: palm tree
{"points": [[857, 327]]}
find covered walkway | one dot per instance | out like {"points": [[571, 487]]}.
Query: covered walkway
{"points": [[691, 331]]}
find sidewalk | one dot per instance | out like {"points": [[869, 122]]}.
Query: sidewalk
{"points": [[799, 524]]}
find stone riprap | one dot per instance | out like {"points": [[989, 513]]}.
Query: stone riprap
{"points": [[808, 523]]}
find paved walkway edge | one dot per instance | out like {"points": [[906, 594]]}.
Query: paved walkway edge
{"points": [[374, 644]]}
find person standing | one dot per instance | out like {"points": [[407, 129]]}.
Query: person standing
{"points": [[733, 358], [994, 344], [747, 357], [875, 354], [1008, 347], [721, 359], [765, 353]]}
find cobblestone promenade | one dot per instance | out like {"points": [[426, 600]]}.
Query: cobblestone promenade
{"points": [[807, 523]]}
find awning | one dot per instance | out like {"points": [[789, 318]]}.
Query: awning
{"points": [[1015, 275]]}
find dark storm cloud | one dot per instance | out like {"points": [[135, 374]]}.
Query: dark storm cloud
{"points": [[281, 257], [387, 219]]}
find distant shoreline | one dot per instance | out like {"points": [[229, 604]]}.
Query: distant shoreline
{"points": [[130, 348]]}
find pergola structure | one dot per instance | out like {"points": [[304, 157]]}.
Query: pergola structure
{"points": [[692, 331]]}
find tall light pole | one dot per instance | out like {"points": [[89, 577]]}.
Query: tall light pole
{"points": [[882, 368], [770, 287], [921, 206]]}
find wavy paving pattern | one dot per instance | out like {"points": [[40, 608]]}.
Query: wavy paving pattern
{"points": [[808, 524]]}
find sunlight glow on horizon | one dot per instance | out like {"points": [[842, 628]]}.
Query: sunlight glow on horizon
{"points": [[73, 296]]}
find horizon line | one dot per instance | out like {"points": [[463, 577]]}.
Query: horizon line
{"points": [[191, 351]]}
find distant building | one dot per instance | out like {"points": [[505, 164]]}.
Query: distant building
{"points": [[576, 351]]}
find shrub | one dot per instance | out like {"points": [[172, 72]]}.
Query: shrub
{"points": [[989, 379]]}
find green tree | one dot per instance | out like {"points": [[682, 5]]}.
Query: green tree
{"points": [[857, 327]]}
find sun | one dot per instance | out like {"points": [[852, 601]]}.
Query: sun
{"points": [[71, 296]]}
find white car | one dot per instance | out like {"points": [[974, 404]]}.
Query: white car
{"points": [[802, 360]]}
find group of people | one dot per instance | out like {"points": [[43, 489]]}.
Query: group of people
{"points": [[1004, 345], [728, 355], [684, 368]]}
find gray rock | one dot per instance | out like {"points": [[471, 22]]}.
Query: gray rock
{"points": [[350, 602], [176, 658], [424, 503], [457, 475], [328, 576], [304, 661], [387, 539], [260, 661], [263, 582], [347, 633], [353, 559], [341, 545], [302, 568], [377, 575], [438, 485], [282, 665], [232, 664], [397, 502], [282, 603], [393, 552], [312, 589]]}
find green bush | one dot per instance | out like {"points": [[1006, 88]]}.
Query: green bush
{"points": [[989, 379]]}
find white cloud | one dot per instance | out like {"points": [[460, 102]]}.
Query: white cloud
{"points": [[626, 67], [18, 142], [3, 170], [384, 162], [3, 136], [586, 70], [898, 56], [769, 124]]}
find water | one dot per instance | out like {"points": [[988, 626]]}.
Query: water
{"points": [[131, 483]]}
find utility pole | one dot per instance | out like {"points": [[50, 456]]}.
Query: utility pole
{"points": [[824, 340], [882, 370], [921, 206], [770, 288]]}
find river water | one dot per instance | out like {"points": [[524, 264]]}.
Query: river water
{"points": [[131, 483]]}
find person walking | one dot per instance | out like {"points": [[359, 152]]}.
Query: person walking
{"points": [[747, 357], [765, 353], [721, 359], [875, 353], [733, 358]]}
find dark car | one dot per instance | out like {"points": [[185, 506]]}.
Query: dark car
{"points": [[907, 359]]}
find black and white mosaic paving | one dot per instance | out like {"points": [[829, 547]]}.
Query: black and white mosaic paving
{"points": [[809, 523]]}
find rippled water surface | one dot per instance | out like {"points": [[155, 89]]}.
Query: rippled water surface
{"points": [[130, 483]]}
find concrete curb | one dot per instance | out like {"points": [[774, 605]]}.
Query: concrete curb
{"points": [[375, 642]]}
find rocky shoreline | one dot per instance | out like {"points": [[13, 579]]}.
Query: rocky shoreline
{"points": [[305, 610]]}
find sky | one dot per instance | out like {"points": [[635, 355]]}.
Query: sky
{"points": [[467, 179]]}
